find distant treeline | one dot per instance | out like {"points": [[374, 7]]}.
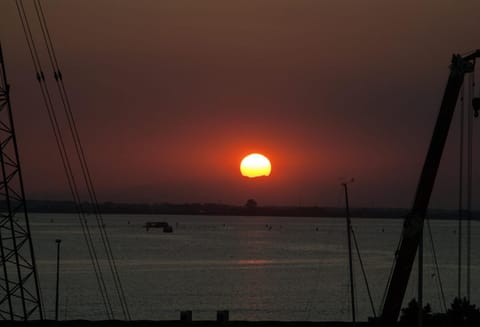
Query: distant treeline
{"points": [[250, 209]]}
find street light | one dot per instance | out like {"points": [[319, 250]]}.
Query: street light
{"points": [[58, 241]]}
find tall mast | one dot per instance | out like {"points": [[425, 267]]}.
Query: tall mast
{"points": [[350, 263]]}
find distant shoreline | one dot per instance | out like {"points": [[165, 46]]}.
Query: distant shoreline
{"points": [[215, 209]]}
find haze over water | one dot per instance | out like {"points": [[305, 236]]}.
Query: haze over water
{"points": [[259, 268], [170, 96]]}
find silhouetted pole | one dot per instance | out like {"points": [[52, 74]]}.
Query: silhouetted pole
{"points": [[352, 291], [58, 241], [420, 280]]}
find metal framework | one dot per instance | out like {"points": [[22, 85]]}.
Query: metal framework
{"points": [[19, 287], [413, 223]]}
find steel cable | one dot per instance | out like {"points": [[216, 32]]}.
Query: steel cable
{"points": [[81, 157], [64, 156], [437, 268], [363, 272], [469, 183], [460, 192]]}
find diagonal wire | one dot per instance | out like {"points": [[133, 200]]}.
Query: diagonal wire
{"points": [[363, 272], [64, 156], [81, 157], [469, 181], [460, 193], [437, 269]]}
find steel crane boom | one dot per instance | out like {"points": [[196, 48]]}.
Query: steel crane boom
{"points": [[413, 223]]}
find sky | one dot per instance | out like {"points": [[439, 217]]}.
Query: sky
{"points": [[169, 96]]}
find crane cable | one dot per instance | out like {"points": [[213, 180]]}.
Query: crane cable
{"points": [[437, 268], [363, 272], [460, 192], [469, 182], [81, 157], [64, 155]]}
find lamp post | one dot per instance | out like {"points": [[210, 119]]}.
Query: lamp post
{"points": [[349, 231], [58, 241]]}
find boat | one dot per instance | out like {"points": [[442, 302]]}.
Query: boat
{"points": [[167, 228]]}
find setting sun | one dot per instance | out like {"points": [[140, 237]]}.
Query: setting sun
{"points": [[255, 165]]}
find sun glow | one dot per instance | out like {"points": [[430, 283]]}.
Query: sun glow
{"points": [[255, 165]]}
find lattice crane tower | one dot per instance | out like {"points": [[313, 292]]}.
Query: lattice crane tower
{"points": [[19, 288]]}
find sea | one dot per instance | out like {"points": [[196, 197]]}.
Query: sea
{"points": [[257, 268]]}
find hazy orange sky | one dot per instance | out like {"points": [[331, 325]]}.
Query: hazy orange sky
{"points": [[170, 95]]}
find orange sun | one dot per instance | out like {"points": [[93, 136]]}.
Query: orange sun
{"points": [[255, 165]]}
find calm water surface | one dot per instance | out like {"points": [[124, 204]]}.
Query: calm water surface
{"points": [[259, 268]]}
